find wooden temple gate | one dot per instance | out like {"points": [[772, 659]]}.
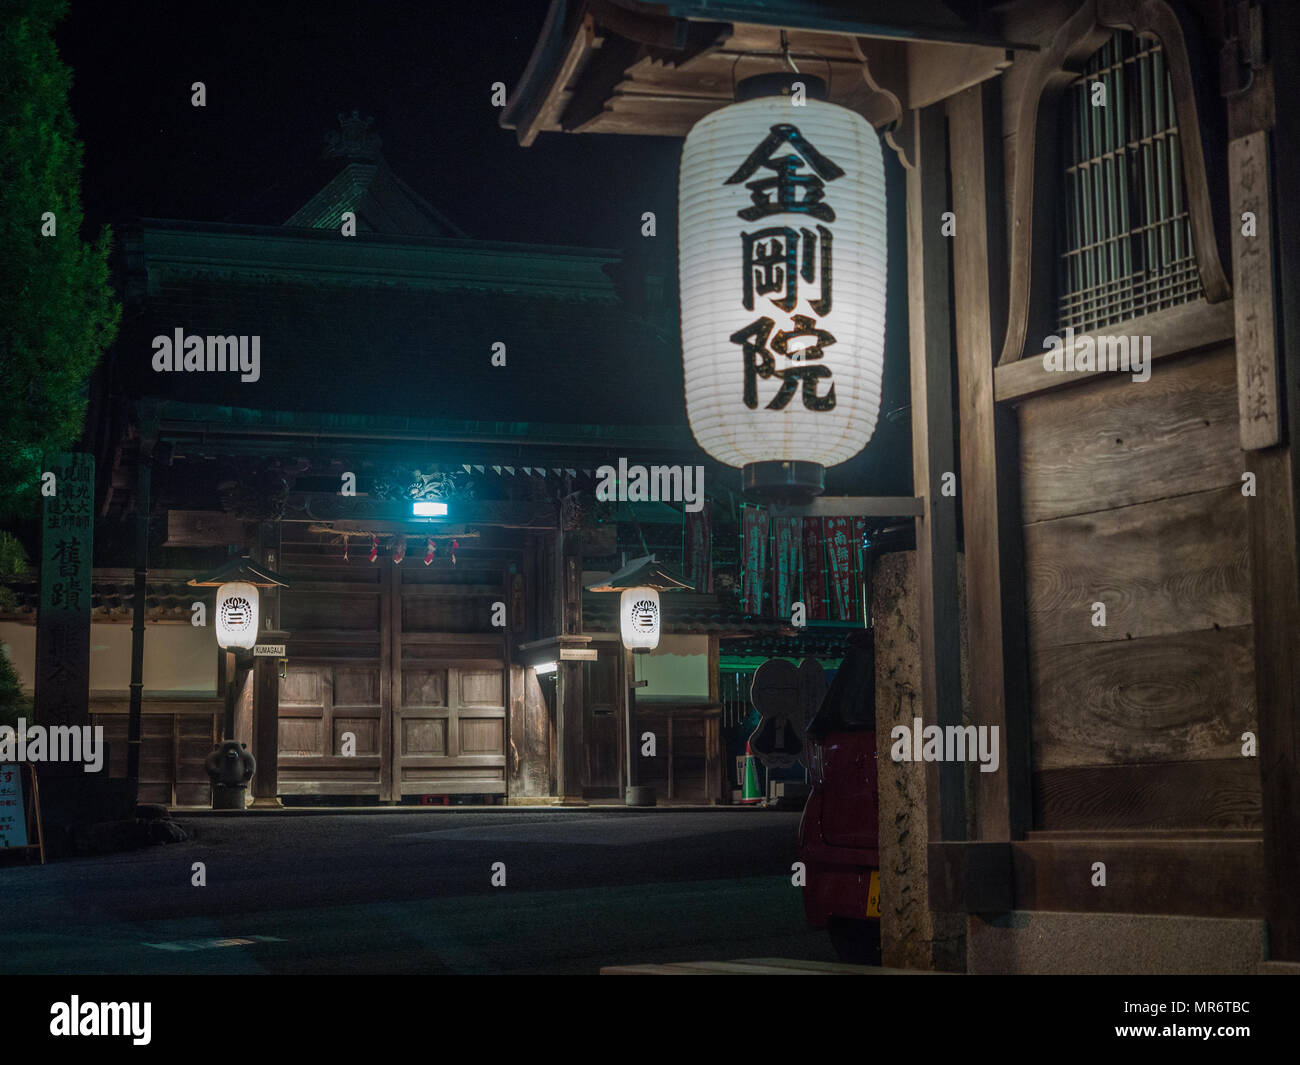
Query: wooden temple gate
{"points": [[403, 658]]}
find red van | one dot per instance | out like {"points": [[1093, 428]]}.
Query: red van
{"points": [[839, 835]]}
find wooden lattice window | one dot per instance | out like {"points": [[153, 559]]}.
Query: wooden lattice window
{"points": [[1128, 240]]}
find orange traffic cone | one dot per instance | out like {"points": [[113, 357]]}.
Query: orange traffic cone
{"points": [[750, 792]]}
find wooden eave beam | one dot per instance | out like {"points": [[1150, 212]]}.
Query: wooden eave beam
{"points": [[623, 71], [327, 506], [920, 73]]}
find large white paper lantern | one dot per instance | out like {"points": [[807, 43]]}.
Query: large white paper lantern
{"points": [[782, 270], [237, 615], [638, 611]]}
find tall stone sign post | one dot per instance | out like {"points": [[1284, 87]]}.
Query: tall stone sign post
{"points": [[68, 794], [63, 623]]}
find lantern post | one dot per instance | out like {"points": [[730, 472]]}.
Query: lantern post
{"points": [[638, 584], [237, 619]]}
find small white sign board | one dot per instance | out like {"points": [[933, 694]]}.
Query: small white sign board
{"points": [[268, 650], [13, 825], [578, 654]]}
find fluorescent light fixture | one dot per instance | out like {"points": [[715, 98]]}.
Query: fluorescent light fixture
{"points": [[423, 508], [544, 667]]}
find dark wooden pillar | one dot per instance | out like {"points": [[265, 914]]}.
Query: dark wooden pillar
{"points": [[266, 679], [989, 465], [266, 723], [571, 753], [933, 455], [1273, 515], [390, 679]]}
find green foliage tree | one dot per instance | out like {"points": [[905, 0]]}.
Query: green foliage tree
{"points": [[13, 557], [13, 563], [59, 313], [13, 703]]}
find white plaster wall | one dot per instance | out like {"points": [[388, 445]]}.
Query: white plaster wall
{"points": [[678, 666], [176, 657], [19, 644]]}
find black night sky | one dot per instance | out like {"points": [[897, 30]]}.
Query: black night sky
{"points": [[277, 76]]}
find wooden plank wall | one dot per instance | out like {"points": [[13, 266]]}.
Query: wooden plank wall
{"points": [[688, 762], [176, 738], [1131, 496]]}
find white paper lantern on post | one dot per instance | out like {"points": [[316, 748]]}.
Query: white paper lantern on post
{"points": [[638, 611], [782, 240], [237, 615]]}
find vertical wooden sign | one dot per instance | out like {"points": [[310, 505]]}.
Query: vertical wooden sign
{"points": [[63, 623], [1252, 269]]}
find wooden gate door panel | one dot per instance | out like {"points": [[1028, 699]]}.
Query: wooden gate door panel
{"points": [[403, 663], [322, 705], [336, 613], [602, 730], [449, 727], [448, 682]]}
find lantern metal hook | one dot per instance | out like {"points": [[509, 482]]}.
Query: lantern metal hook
{"points": [[785, 54], [785, 51]]}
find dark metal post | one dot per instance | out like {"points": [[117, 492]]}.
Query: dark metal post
{"points": [[144, 472], [232, 694], [630, 746]]}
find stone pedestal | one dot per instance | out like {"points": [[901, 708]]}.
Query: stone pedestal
{"points": [[912, 936]]}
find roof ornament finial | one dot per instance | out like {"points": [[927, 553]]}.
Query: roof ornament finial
{"points": [[355, 140]]}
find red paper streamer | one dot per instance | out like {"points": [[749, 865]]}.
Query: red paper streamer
{"points": [[840, 556], [374, 547], [697, 548], [814, 570], [753, 550], [430, 551], [787, 540]]}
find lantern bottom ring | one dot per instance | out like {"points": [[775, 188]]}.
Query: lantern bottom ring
{"points": [[784, 482]]}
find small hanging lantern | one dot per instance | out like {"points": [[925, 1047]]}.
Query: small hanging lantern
{"points": [[237, 583], [782, 278], [640, 583], [237, 615], [638, 611]]}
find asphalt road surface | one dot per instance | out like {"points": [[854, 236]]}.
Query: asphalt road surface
{"points": [[411, 892]]}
